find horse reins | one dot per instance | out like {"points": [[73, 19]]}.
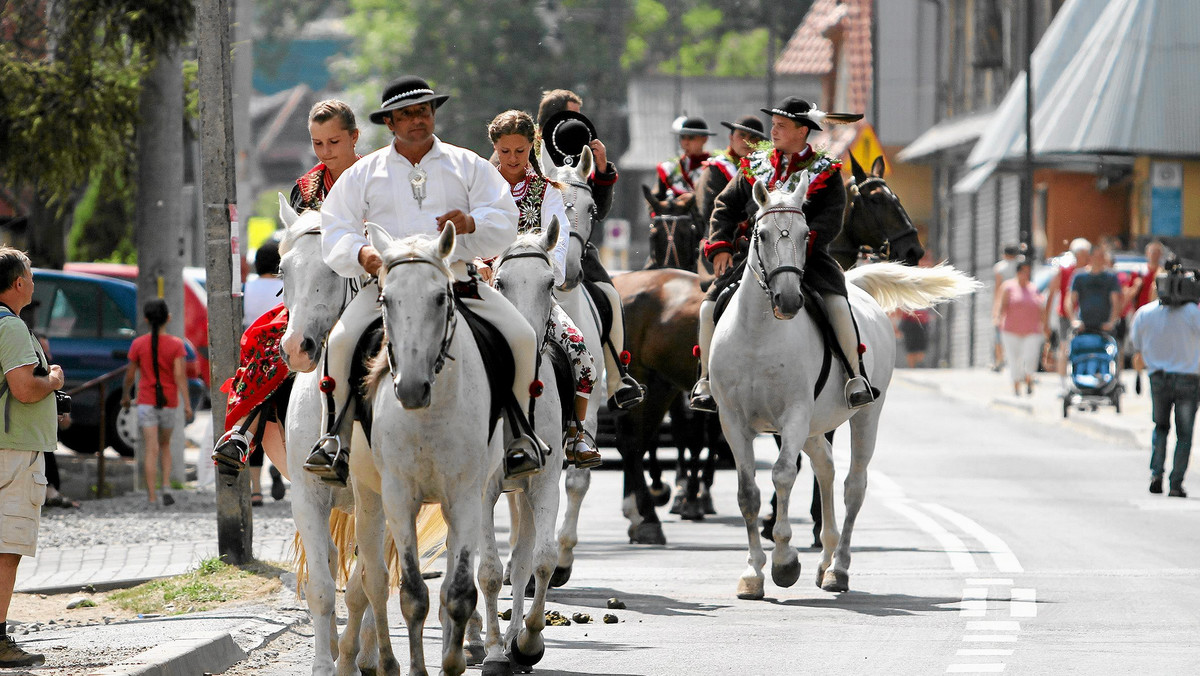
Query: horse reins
{"points": [[857, 190], [450, 325], [762, 275], [670, 223]]}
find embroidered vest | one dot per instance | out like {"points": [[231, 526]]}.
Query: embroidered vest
{"points": [[529, 206], [312, 188], [723, 162], [760, 167], [678, 182]]}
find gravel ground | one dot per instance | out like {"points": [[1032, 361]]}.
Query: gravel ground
{"points": [[129, 520]]}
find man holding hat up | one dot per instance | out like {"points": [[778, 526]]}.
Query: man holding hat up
{"points": [[723, 166], [780, 168], [681, 175], [419, 184]]}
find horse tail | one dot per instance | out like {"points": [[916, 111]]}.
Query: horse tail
{"points": [[431, 543], [901, 287]]}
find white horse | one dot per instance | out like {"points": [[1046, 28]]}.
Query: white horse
{"points": [[764, 372], [429, 439], [524, 274], [315, 295], [580, 208]]}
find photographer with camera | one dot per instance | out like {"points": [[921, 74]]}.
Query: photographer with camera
{"points": [[1166, 339], [30, 422]]}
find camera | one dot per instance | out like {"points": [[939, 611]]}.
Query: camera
{"points": [[62, 402], [1179, 286]]}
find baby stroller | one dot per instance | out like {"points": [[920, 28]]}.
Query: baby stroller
{"points": [[1094, 375]]}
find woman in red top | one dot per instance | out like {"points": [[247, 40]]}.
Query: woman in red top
{"points": [[250, 418], [156, 360]]}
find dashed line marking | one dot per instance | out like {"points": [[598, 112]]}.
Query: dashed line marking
{"points": [[984, 652], [1002, 554], [993, 625], [990, 638], [1023, 602], [960, 557], [989, 582], [974, 602]]}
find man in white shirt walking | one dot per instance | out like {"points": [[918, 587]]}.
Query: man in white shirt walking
{"points": [[419, 184]]}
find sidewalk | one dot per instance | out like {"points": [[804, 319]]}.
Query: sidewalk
{"points": [[1131, 427]]}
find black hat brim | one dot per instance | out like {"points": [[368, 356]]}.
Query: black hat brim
{"points": [[552, 144], [688, 131], [436, 99], [796, 118], [749, 130]]}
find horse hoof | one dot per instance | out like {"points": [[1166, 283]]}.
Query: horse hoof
{"points": [[497, 668], [561, 576], [820, 574], [521, 658], [475, 653], [647, 533], [692, 511], [750, 589], [676, 504], [706, 503], [836, 581], [660, 495], [785, 575]]}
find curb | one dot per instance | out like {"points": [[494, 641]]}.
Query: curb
{"points": [[188, 656]]}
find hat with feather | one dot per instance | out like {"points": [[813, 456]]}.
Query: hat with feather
{"points": [[807, 113]]}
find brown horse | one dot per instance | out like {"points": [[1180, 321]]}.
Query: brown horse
{"points": [[662, 315]]}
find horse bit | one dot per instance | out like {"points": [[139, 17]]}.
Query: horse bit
{"points": [[450, 324], [761, 275]]}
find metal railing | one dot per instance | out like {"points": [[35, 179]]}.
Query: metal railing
{"points": [[101, 384]]}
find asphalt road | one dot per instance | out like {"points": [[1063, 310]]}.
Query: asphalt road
{"points": [[989, 543]]}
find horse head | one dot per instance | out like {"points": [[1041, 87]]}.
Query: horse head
{"points": [[580, 208], [876, 219], [524, 274], [674, 235], [416, 297], [313, 294], [779, 246]]}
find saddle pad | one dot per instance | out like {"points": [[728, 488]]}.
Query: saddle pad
{"points": [[367, 349], [565, 378], [602, 306], [497, 361]]}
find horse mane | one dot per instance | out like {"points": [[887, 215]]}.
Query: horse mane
{"points": [[376, 367], [302, 224]]}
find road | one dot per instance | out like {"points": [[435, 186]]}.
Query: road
{"points": [[989, 543]]}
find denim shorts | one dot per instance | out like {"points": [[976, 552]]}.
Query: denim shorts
{"points": [[162, 418], [22, 494]]}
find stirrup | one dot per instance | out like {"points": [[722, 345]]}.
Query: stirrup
{"points": [[523, 457], [230, 453], [701, 398], [630, 394], [579, 452], [329, 460], [859, 393]]}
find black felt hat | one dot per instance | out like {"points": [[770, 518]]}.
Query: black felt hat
{"points": [[691, 126], [405, 91], [565, 134], [749, 124], [807, 114]]}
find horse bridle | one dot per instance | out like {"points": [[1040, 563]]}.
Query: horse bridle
{"points": [[449, 326], [350, 288], [569, 205], [859, 194], [671, 222], [762, 275]]}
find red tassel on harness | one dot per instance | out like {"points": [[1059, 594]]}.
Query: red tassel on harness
{"points": [[625, 357], [536, 388], [696, 351], [328, 385], [862, 348], [812, 239]]}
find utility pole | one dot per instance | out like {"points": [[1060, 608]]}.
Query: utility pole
{"points": [[1027, 178], [772, 50], [234, 525]]}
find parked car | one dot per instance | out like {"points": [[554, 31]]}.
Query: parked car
{"points": [[90, 322], [195, 309]]}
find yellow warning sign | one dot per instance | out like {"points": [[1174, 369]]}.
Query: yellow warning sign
{"points": [[866, 148]]}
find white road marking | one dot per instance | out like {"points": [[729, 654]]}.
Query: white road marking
{"points": [[974, 603], [988, 582], [993, 668], [984, 652], [1023, 603], [990, 638], [993, 625], [1002, 555], [960, 557]]}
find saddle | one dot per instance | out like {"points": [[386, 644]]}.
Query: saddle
{"points": [[814, 305], [497, 360], [603, 307]]}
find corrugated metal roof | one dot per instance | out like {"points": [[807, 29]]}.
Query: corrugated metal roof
{"points": [[652, 108], [1110, 77], [951, 133]]}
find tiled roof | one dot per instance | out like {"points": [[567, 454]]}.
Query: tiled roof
{"points": [[810, 49]]}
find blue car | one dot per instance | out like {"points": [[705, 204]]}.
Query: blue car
{"points": [[90, 322]]}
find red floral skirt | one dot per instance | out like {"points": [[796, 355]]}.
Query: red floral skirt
{"points": [[261, 369]]}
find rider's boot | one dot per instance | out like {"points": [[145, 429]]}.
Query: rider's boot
{"points": [[329, 460], [858, 391], [230, 453], [577, 450], [625, 391], [525, 453], [701, 397]]}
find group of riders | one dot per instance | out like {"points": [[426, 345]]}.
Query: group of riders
{"points": [[418, 185]]}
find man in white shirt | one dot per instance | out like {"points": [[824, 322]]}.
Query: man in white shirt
{"points": [[418, 185]]}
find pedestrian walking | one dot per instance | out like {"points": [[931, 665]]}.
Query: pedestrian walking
{"points": [[1166, 339], [156, 363], [1019, 316], [28, 433], [1004, 270], [1078, 255]]}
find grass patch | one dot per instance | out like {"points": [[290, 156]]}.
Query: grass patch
{"points": [[211, 584]]}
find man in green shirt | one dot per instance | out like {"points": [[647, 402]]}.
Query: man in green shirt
{"points": [[28, 423]]}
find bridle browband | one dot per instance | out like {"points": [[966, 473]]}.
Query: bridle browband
{"points": [[762, 275], [449, 327], [349, 289]]}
